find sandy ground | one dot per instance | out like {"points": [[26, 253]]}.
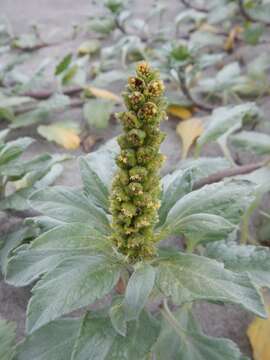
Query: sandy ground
{"points": [[57, 17]]}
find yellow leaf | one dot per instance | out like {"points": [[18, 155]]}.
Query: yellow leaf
{"points": [[230, 41], [189, 131], [102, 93], [259, 337], [64, 134], [208, 28], [179, 111]]}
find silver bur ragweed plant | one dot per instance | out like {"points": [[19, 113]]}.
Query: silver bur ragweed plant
{"points": [[102, 242]]}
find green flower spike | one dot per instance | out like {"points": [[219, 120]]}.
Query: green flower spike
{"points": [[136, 186]]}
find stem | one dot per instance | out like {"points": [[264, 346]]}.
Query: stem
{"points": [[186, 92], [220, 175], [249, 17], [120, 26], [226, 151], [168, 315]]}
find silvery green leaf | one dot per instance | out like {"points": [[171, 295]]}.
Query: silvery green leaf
{"points": [[7, 340], [12, 240], [69, 205], [73, 284], [187, 341], [13, 149], [73, 236], [118, 317], [99, 340], [97, 112], [53, 341], [256, 142], [228, 200], [28, 265], [203, 228], [97, 171], [225, 118], [175, 186], [138, 289], [243, 258], [189, 277], [42, 111]]}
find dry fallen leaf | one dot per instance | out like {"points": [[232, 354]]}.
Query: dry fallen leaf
{"points": [[179, 111], [102, 94], [230, 40], [65, 134], [208, 28], [259, 336], [189, 131]]}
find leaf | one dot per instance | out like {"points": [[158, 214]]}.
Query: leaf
{"points": [[252, 33], [69, 74], [204, 228], [102, 25], [13, 149], [232, 37], [89, 47], [227, 199], [243, 258], [7, 339], [68, 205], [26, 41], [226, 118], [141, 336], [175, 186], [189, 131], [102, 94], [187, 342], [256, 142], [97, 171], [74, 283], [189, 277], [65, 134], [53, 341], [64, 64], [27, 265], [97, 112], [42, 112], [74, 236], [179, 111], [118, 317], [12, 240], [258, 334], [138, 289]]}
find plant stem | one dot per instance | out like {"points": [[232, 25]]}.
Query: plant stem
{"points": [[166, 312], [186, 92], [220, 175], [45, 94]]}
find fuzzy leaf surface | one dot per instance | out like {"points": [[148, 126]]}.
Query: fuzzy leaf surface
{"points": [[187, 342], [74, 283], [98, 339], [240, 258], [188, 277]]}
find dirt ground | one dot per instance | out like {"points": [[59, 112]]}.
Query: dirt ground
{"points": [[56, 18]]}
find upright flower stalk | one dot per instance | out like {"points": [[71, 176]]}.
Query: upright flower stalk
{"points": [[136, 186]]}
